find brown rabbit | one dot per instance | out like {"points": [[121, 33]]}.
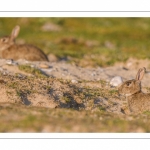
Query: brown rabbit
{"points": [[10, 50], [136, 99]]}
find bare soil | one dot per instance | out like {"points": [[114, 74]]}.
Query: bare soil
{"points": [[59, 85]]}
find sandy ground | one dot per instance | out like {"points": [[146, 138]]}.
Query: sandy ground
{"points": [[63, 70], [59, 90]]}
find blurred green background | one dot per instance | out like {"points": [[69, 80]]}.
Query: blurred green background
{"points": [[85, 41]]}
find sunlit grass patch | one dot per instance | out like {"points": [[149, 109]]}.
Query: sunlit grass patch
{"points": [[115, 39], [31, 70]]}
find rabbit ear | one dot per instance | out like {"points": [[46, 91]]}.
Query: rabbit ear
{"points": [[15, 32], [140, 74]]}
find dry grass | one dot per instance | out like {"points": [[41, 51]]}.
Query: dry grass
{"points": [[55, 105], [43, 104]]}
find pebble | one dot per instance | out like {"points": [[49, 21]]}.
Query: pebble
{"points": [[74, 81], [51, 27], [116, 81], [32, 66], [11, 62], [44, 66], [46, 70]]}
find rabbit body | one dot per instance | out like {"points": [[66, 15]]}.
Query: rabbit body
{"points": [[137, 100], [28, 52], [10, 50]]}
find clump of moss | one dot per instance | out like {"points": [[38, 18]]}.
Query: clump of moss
{"points": [[29, 69]]}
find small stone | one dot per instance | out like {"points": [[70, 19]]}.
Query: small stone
{"points": [[74, 81], [44, 66], [9, 62], [32, 66], [51, 27], [109, 45], [129, 64], [116, 81]]}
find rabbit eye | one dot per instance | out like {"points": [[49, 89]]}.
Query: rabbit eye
{"points": [[3, 40], [128, 83]]}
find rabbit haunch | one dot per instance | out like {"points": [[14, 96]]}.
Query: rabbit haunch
{"points": [[136, 99], [10, 50]]}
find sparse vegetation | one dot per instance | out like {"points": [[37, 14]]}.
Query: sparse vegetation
{"points": [[85, 41], [31, 70], [28, 119], [40, 103], [80, 108]]}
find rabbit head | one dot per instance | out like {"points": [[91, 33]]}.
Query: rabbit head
{"points": [[133, 86], [7, 41]]}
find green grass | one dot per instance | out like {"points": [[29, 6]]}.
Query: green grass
{"points": [[112, 40], [81, 108], [29, 119], [117, 38], [31, 70]]}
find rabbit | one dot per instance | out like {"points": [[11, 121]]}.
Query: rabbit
{"points": [[10, 50], [138, 101]]}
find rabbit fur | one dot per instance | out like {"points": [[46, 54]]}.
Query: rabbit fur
{"points": [[138, 101], [10, 50]]}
